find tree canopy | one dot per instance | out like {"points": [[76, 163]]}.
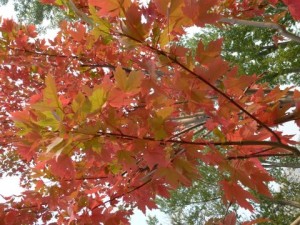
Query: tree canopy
{"points": [[35, 12], [112, 112]]}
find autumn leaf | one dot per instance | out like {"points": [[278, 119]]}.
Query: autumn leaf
{"points": [[230, 219], [50, 93], [294, 8], [62, 167], [129, 83], [97, 99], [234, 193]]}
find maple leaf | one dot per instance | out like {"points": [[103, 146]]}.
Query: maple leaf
{"points": [[129, 83], [7, 25], [62, 167], [230, 219], [50, 92], [294, 8], [200, 11], [235, 193], [97, 100], [109, 8]]}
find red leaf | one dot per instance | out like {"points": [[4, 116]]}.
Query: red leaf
{"points": [[294, 8], [230, 219], [11, 217], [7, 25], [236, 194], [200, 11], [207, 54], [62, 167], [109, 8], [117, 98], [31, 31]]}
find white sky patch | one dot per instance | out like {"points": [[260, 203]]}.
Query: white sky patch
{"points": [[8, 11], [139, 218], [9, 186]]}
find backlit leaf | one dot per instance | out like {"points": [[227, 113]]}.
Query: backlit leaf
{"points": [[97, 99]]}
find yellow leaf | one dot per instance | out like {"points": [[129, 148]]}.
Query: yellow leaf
{"points": [[128, 83], [219, 134], [97, 99], [121, 78], [50, 93], [164, 112], [134, 81]]}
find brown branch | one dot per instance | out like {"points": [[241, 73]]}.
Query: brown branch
{"points": [[296, 221], [284, 202], [87, 178], [257, 156], [292, 149], [187, 129], [274, 164], [268, 25]]}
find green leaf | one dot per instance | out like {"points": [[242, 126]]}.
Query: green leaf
{"points": [[23, 128], [219, 134], [49, 119], [115, 168], [81, 104], [157, 122], [98, 98]]}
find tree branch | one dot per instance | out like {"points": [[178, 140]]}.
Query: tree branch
{"points": [[269, 25], [274, 164], [296, 221], [292, 149], [285, 202]]}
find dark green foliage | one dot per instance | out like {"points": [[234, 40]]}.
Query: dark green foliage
{"points": [[254, 51]]}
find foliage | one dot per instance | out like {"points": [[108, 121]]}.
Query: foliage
{"points": [[106, 113], [201, 201], [35, 12], [195, 204], [257, 50]]}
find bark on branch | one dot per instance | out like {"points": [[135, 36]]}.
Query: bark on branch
{"points": [[274, 164], [285, 202], [269, 25], [292, 149], [296, 221]]}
